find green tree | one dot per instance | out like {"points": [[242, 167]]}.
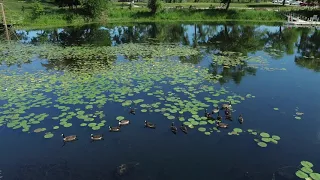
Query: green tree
{"points": [[37, 10], [155, 6], [93, 8]]}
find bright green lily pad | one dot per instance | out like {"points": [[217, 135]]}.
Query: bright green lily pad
{"points": [[315, 176], [266, 139], [202, 129], [95, 128], [238, 130], [119, 118], [264, 134], [307, 169], [301, 174], [55, 127], [48, 135], [276, 109], [262, 144], [275, 137], [67, 125], [83, 124], [306, 164]]}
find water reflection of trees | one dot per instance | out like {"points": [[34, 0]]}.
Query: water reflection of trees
{"points": [[309, 49], [276, 41]]}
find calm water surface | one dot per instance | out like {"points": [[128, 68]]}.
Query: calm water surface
{"points": [[160, 154]]}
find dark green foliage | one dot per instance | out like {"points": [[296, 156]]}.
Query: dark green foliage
{"points": [[37, 10], [93, 8], [155, 6]]}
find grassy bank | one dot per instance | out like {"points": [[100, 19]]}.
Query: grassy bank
{"points": [[196, 15], [143, 15], [119, 12]]}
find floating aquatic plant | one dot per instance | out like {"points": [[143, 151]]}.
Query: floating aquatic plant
{"points": [[306, 171], [48, 135], [39, 130]]}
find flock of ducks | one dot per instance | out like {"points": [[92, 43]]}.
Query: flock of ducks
{"points": [[173, 128]]}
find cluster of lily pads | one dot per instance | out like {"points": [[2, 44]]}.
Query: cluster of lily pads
{"points": [[306, 172], [17, 53], [229, 59], [276, 53], [84, 92], [265, 138], [82, 95]]}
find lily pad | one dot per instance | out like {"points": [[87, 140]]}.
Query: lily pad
{"points": [[39, 130], [202, 129], [67, 125], [238, 130], [55, 127], [315, 176], [264, 134], [48, 135], [276, 109], [119, 118], [275, 137], [262, 144], [301, 174], [266, 139], [307, 170], [83, 124], [306, 164]]}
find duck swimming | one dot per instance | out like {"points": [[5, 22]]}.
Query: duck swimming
{"points": [[227, 111], [124, 122], [184, 128], [149, 125], [215, 110], [173, 128], [229, 117], [208, 115], [225, 106], [114, 129], [222, 125], [219, 117], [132, 111], [96, 137], [240, 119], [68, 138]]}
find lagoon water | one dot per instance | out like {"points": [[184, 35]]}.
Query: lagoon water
{"points": [[290, 82]]}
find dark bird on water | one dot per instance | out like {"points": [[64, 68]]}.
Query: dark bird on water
{"points": [[149, 125], [184, 128], [132, 111], [219, 117], [222, 125], [96, 137], [114, 129], [173, 128], [68, 138], [240, 119]]}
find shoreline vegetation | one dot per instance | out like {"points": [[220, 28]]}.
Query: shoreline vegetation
{"points": [[32, 15]]}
